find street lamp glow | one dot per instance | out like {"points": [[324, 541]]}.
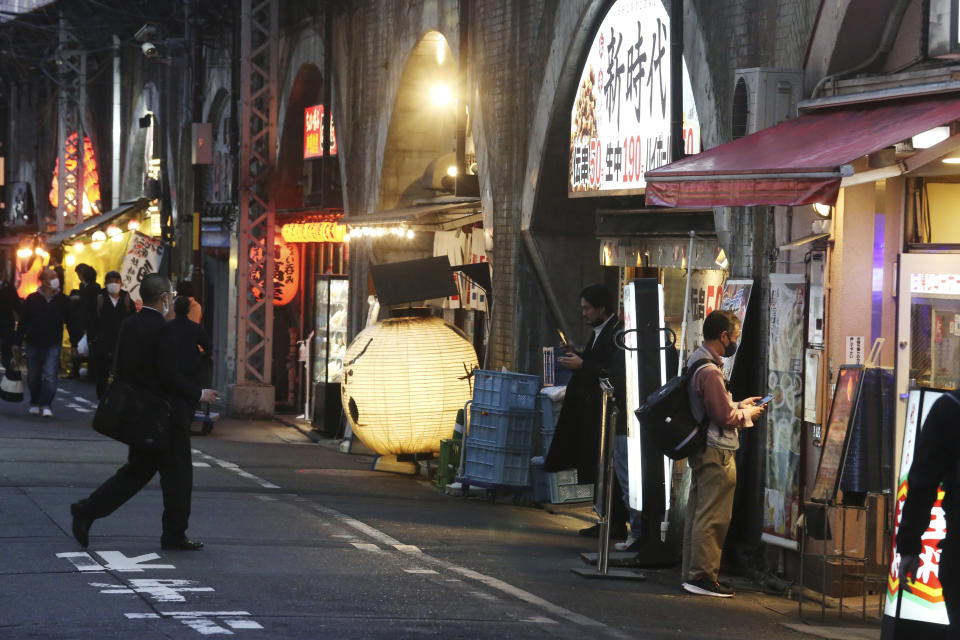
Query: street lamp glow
{"points": [[452, 171], [441, 95]]}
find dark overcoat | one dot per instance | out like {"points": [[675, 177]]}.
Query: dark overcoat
{"points": [[576, 441]]}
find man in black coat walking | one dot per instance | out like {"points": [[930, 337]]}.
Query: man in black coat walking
{"points": [[146, 360]]}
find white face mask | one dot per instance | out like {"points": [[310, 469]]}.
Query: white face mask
{"points": [[113, 288], [54, 284]]}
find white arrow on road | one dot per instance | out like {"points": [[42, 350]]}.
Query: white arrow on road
{"points": [[117, 561], [159, 590]]}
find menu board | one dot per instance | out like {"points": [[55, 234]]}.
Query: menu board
{"points": [[845, 399]]}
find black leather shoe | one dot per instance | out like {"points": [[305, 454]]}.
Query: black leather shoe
{"points": [[81, 525], [182, 545]]}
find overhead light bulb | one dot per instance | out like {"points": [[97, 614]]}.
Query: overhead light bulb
{"points": [[133, 225], [452, 171], [70, 260], [441, 95], [822, 210], [346, 237], [24, 252], [77, 246], [99, 236], [954, 160], [926, 139], [409, 234]]}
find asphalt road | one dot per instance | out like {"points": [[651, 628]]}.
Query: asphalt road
{"points": [[305, 542]]}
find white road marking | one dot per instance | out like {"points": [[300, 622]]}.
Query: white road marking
{"points": [[159, 590], [82, 561], [230, 466], [483, 595], [493, 583], [540, 620], [117, 561], [366, 546], [202, 621], [420, 571], [489, 581]]}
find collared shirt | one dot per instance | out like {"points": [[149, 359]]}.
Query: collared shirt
{"points": [[708, 394], [597, 329]]}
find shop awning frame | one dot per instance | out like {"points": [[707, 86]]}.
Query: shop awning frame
{"points": [[57, 239], [801, 161], [438, 216]]}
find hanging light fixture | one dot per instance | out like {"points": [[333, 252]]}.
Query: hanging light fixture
{"points": [[98, 239], [822, 210], [133, 225], [404, 380]]}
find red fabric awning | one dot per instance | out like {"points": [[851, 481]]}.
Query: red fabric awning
{"points": [[799, 161]]}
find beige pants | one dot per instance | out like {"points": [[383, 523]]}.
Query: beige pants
{"points": [[709, 508]]}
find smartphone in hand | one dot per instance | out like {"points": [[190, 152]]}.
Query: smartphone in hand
{"points": [[765, 400]]}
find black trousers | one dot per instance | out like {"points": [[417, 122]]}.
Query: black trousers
{"points": [[101, 363], [176, 481]]}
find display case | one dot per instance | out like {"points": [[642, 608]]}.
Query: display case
{"points": [[330, 337], [330, 345]]}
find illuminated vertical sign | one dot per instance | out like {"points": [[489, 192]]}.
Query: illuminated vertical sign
{"points": [[313, 133], [620, 121]]}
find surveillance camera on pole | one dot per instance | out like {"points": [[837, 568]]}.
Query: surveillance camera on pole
{"points": [[149, 50], [145, 33]]}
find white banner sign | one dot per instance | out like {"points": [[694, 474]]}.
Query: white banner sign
{"points": [[620, 120], [143, 257]]}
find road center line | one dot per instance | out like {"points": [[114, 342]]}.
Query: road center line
{"points": [[412, 550]]}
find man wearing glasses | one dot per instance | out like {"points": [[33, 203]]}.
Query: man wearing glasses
{"points": [[146, 360]]}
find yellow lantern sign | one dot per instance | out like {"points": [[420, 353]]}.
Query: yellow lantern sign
{"points": [[404, 380]]}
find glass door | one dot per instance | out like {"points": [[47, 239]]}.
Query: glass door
{"points": [[928, 328]]}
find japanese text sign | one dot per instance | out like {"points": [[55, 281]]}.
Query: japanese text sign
{"points": [[313, 133], [143, 257]]}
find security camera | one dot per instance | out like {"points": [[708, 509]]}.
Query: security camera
{"points": [[145, 33], [149, 49]]}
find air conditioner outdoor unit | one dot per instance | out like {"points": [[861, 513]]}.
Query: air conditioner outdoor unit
{"points": [[763, 97]]}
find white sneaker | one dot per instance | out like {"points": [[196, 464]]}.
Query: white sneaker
{"points": [[46, 413], [625, 545], [34, 410]]}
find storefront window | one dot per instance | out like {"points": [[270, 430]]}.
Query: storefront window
{"points": [[934, 209], [935, 331]]}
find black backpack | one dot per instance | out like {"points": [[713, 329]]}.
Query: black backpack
{"points": [[667, 417]]}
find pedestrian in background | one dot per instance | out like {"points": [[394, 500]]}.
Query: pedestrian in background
{"points": [[112, 306], [714, 469], [937, 461], [147, 361], [88, 290], [9, 311], [193, 345], [42, 318]]}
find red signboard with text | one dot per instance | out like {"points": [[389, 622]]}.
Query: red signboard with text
{"points": [[313, 133]]}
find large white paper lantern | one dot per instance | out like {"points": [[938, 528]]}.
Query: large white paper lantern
{"points": [[404, 380]]}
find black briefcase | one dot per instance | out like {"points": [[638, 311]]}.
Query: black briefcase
{"points": [[138, 418]]}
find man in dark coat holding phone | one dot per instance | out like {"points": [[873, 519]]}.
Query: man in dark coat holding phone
{"points": [[576, 442], [147, 361]]}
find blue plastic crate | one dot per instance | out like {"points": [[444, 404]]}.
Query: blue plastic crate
{"points": [[502, 427], [546, 437], [505, 390], [496, 465]]}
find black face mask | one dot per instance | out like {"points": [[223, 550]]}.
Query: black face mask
{"points": [[730, 349]]}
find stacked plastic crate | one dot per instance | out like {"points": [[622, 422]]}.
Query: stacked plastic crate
{"points": [[562, 486], [503, 420]]}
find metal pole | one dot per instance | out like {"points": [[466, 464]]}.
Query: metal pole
{"points": [[676, 80], [686, 306], [606, 469], [115, 151]]}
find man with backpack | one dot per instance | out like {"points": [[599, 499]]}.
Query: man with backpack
{"points": [[714, 468], [112, 306], [937, 461]]}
